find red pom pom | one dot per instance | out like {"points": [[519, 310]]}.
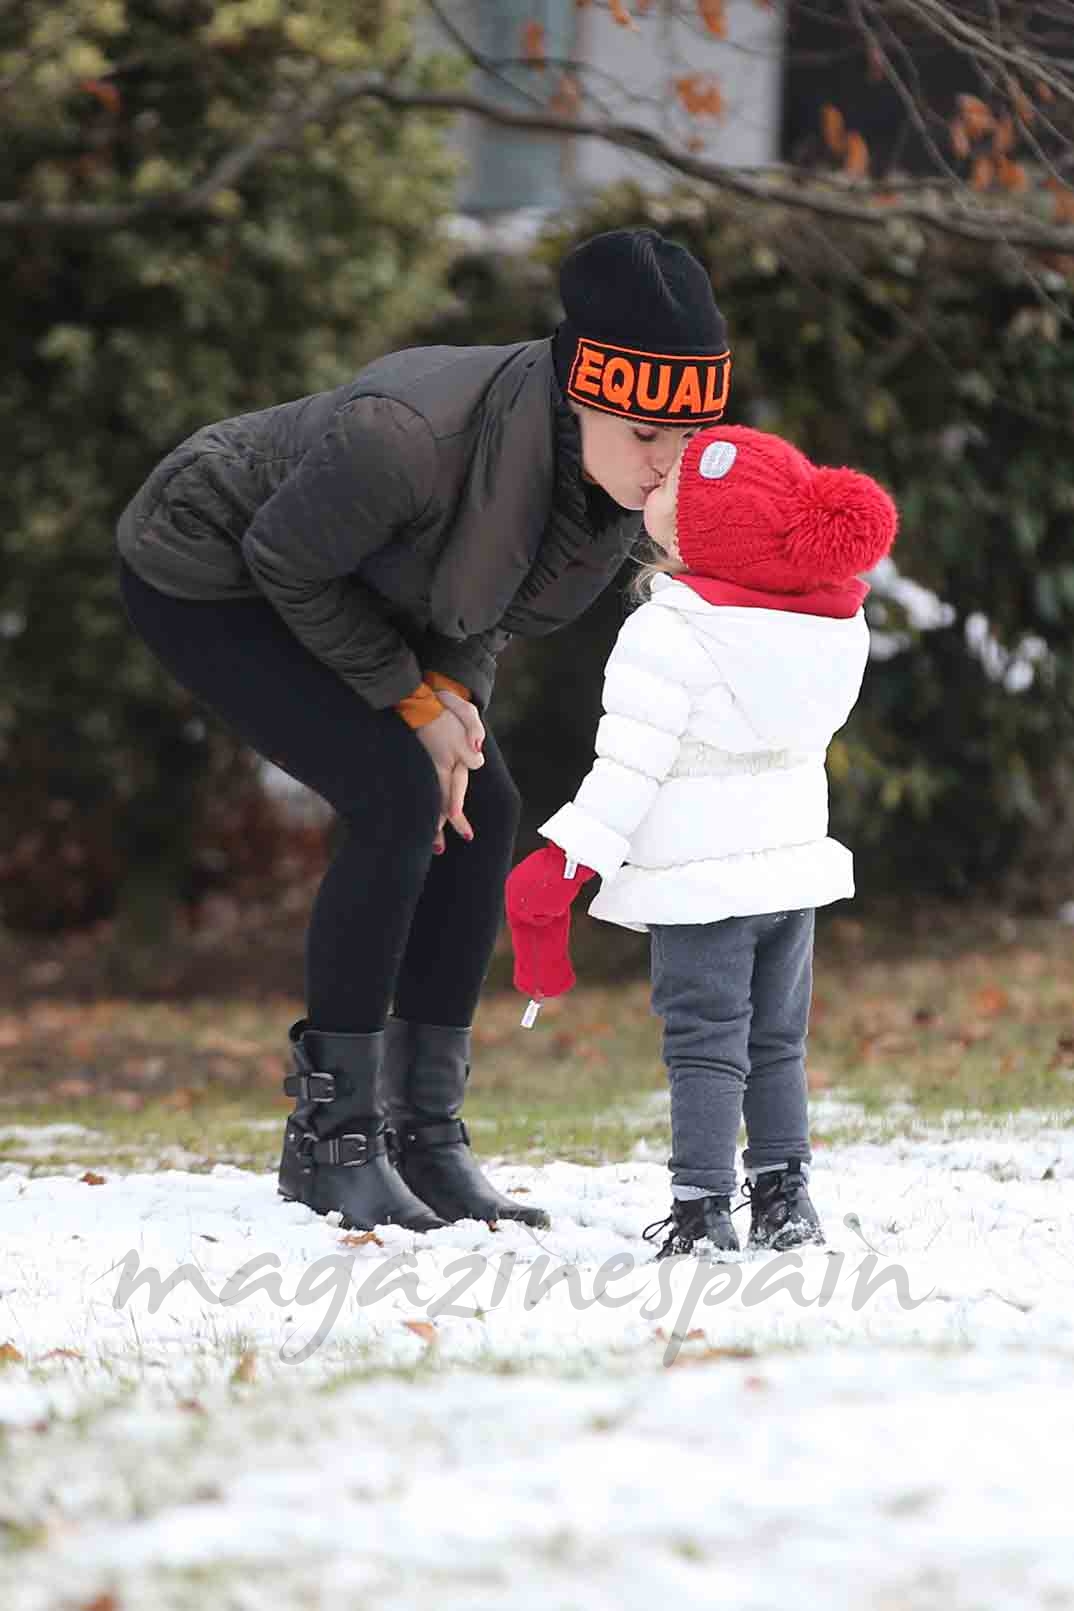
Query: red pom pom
{"points": [[841, 522]]}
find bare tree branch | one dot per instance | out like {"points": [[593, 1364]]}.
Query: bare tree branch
{"points": [[831, 197], [942, 19]]}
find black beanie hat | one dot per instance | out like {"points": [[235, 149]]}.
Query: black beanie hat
{"points": [[642, 336]]}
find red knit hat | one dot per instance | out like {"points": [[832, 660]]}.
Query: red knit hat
{"points": [[753, 510]]}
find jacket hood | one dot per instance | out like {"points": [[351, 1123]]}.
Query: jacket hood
{"points": [[794, 677]]}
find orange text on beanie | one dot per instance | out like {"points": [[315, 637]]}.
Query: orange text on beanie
{"points": [[752, 509]]}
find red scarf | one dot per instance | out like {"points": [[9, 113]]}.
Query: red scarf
{"points": [[841, 600]]}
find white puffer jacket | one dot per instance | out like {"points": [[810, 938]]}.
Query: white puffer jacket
{"points": [[709, 797]]}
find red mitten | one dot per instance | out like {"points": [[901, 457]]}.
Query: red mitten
{"points": [[542, 957], [537, 890], [539, 901]]}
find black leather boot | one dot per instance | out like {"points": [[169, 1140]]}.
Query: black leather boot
{"points": [[336, 1144], [781, 1214], [425, 1070], [699, 1225]]}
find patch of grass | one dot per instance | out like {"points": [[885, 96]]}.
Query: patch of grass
{"points": [[974, 1018], [987, 1027]]}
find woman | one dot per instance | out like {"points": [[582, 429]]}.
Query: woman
{"points": [[334, 578]]}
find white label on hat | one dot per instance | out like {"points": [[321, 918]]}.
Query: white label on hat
{"points": [[716, 460]]}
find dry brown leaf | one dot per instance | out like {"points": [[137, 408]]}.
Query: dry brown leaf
{"points": [[71, 1088], [857, 156], [101, 1602], [246, 1369], [1062, 202], [360, 1239], [710, 1356], [423, 1329], [1003, 136], [984, 171], [108, 96], [181, 1098], [620, 14], [62, 1353], [9, 1354], [564, 103], [960, 140], [90, 1179], [713, 14], [990, 1001], [976, 116], [518, 1191], [833, 128], [233, 1046], [533, 43], [1024, 110], [700, 96], [1011, 175]]}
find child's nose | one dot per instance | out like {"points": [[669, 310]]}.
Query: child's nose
{"points": [[663, 457]]}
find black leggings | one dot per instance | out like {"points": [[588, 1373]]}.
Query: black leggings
{"points": [[391, 924]]}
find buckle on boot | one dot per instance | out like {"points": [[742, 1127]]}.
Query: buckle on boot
{"points": [[304, 1086], [349, 1151]]}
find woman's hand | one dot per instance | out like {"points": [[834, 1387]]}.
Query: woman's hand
{"points": [[453, 748], [467, 714]]}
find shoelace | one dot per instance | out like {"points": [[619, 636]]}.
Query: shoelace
{"points": [[651, 1232], [790, 1187]]}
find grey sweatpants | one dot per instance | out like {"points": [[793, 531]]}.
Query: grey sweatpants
{"points": [[735, 998]]}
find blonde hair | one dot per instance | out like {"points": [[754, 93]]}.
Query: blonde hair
{"points": [[655, 561]]}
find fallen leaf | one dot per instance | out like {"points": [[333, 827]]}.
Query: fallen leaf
{"points": [[360, 1239], [62, 1353], [422, 1328], [179, 1099], [246, 1369], [991, 1000], [90, 1179], [9, 1354], [71, 1088]]}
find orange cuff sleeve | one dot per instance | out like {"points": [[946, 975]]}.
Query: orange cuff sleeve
{"points": [[421, 707], [438, 679]]}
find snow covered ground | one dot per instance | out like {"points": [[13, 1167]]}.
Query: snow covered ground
{"points": [[471, 1419]]}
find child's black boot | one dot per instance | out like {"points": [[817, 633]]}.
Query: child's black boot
{"points": [[698, 1225], [781, 1214]]}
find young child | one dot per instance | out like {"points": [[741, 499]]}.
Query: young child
{"points": [[706, 811]]}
